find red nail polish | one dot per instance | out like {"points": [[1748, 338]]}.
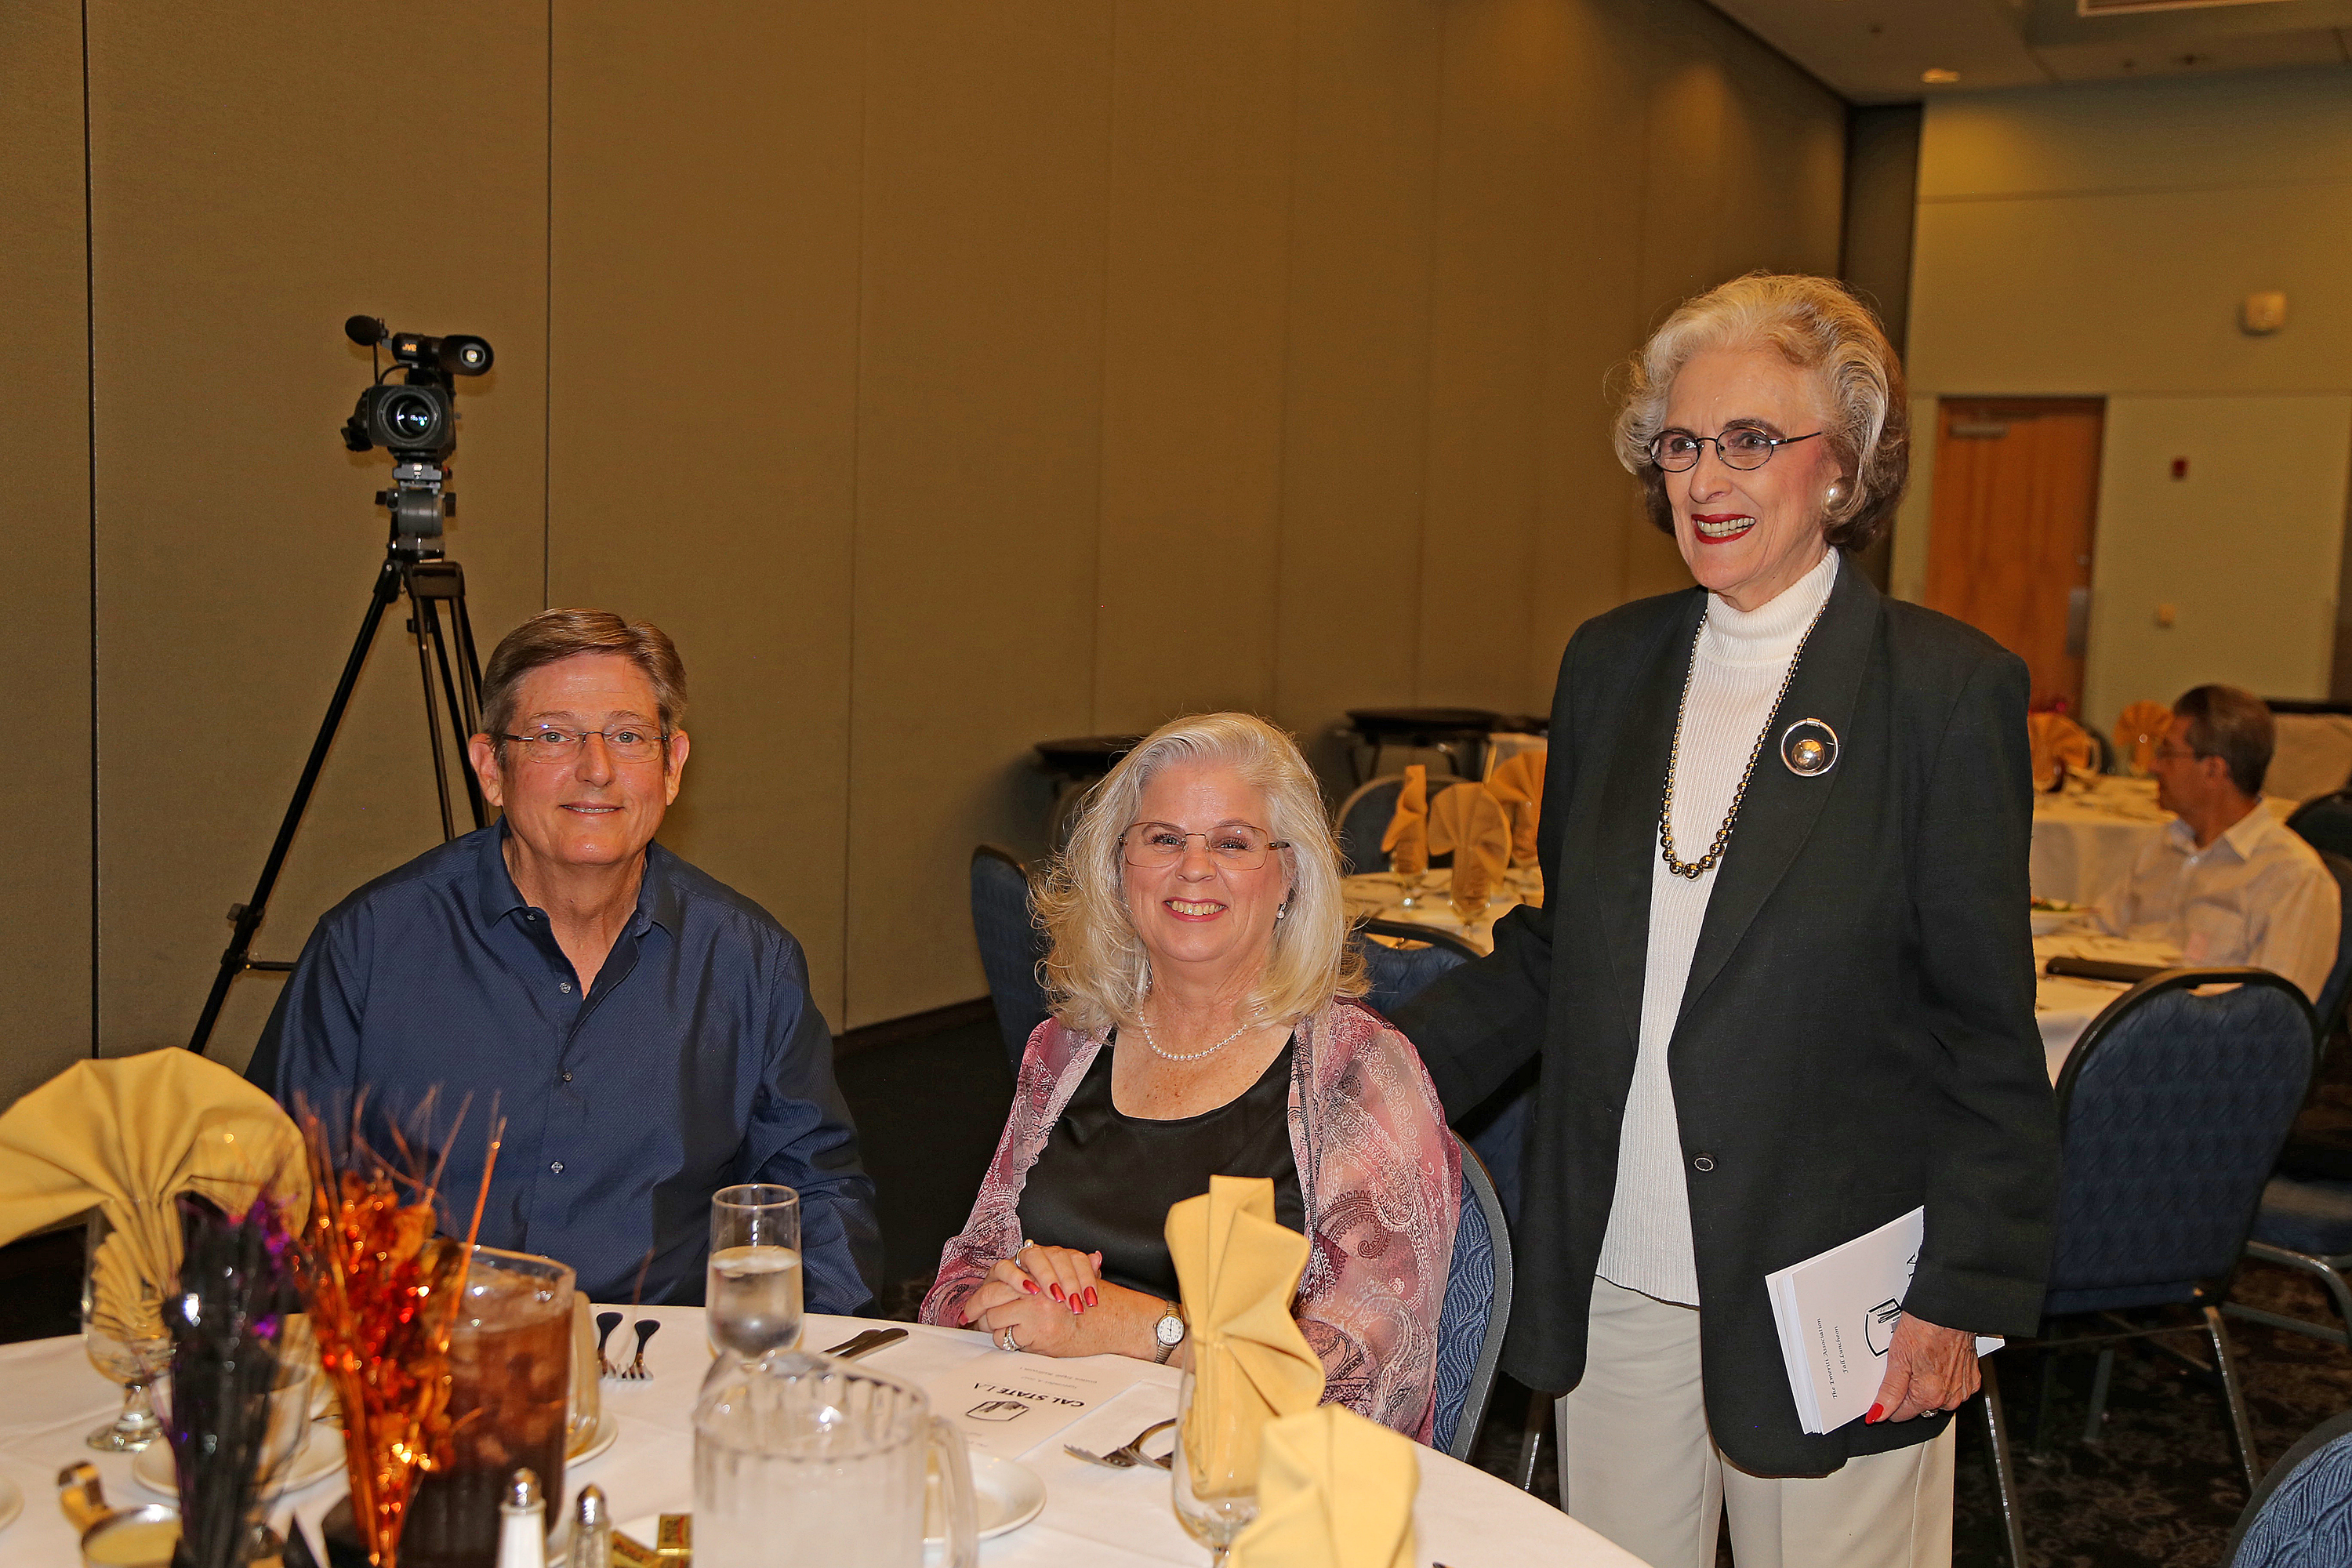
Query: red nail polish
{"points": [[1030, 1285], [1090, 1294], [1877, 1413], [1058, 1292]]}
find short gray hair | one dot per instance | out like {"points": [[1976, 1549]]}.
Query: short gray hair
{"points": [[1816, 325], [1097, 971]]}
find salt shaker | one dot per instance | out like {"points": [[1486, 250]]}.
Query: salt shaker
{"points": [[522, 1523], [592, 1530]]}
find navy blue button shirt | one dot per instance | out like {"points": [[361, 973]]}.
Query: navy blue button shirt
{"points": [[698, 1060]]}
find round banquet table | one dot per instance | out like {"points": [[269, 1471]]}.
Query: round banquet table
{"points": [[1106, 1518]]}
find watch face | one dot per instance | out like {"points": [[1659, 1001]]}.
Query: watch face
{"points": [[1171, 1328]]}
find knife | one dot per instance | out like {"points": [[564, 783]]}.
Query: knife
{"points": [[870, 1340]]}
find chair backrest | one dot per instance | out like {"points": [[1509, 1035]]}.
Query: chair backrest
{"points": [[2302, 1514], [2332, 993], [1362, 820], [1400, 974], [2171, 1111], [1476, 1311], [2312, 754], [1011, 945], [2325, 822]]}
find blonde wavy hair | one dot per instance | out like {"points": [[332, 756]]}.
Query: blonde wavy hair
{"points": [[1097, 971], [1816, 325]]}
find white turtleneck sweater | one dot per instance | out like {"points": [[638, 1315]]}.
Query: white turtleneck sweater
{"points": [[1743, 657]]}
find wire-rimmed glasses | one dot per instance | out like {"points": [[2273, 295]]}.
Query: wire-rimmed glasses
{"points": [[548, 744], [1234, 846], [1742, 446]]}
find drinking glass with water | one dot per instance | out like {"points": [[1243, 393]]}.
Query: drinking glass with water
{"points": [[753, 1297]]}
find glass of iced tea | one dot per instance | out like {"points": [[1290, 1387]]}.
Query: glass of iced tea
{"points": [[509, 1393], [753, 1298]]}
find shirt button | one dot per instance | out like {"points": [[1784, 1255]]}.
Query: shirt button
{"points": [[557, 1167], [1702, 1163], [564, 986], [567, 1077]]}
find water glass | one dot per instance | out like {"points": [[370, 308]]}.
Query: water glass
{"points": [[1215, 1504], [123, 1329], [752, 1294]]}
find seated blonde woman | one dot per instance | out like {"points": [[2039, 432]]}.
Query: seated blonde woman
{"points": [[1205, 1023]]}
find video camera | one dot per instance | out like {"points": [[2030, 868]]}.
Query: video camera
{"points": [[415, 418]]}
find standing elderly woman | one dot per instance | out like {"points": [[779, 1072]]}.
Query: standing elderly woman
{"points": [[1782, 983], [1204, 1024]]}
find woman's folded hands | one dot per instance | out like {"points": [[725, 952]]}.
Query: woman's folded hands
{"points": [[1055, 1303]]}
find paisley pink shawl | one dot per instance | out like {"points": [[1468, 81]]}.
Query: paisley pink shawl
{"points": [[1380, 1176]]}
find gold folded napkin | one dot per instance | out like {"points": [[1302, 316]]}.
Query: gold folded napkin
{"points": [[1334, 1490], [1406, 841], [2139, 729], [1517, 781], [1238, 1269], [1467, 822], [127, 1136], [2059, 743]]}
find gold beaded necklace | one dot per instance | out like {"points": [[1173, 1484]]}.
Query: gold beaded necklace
{"points": [[1694, 869]]}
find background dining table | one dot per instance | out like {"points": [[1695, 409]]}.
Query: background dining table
{"points": [[1103, 1518], [1381, 895], [2086, 836]]}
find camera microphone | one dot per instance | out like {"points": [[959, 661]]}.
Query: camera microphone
{"points": [[365, 331]]}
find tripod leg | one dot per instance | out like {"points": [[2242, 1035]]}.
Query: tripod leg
{"points": [[237, 958], [461, 714], [424, 621]]}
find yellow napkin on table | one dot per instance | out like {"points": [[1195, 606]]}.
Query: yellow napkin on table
{"points": [[1334, 1490], [1467, 822], [2139, 729], [1237, 1270], [1517, 781], [1406, 840], [127, 1136], [2059, 743]]}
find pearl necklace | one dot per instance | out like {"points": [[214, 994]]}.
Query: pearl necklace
{"points": [[1191, 1055]]}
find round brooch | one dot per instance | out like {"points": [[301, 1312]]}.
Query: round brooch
{"points": [[1810, 748]]}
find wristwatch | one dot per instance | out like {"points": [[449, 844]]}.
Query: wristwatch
{"points": [[1170, 1332]]}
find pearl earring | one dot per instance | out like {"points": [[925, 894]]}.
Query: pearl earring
{"points": [[1834, 496]]}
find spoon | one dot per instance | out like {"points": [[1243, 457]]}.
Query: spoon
{"points": [[605, 1323]]}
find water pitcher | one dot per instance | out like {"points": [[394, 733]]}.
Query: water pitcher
{"points": [[803, 1461]]}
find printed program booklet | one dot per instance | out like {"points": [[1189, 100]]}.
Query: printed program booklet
{"points": [[1836, 1312]]}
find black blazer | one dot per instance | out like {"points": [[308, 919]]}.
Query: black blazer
{"points": [[1857, 1038]]}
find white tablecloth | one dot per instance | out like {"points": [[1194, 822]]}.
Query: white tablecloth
{"points": [[2064, 1005], [1380, 895], [1103, 1519], [2086, 837]]}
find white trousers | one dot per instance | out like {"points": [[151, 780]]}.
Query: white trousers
{"points": [[1637, 1464]]}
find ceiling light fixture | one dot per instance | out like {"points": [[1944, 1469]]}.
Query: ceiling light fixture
{"points": [[1938, 76]]}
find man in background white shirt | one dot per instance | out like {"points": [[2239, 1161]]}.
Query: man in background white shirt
{"points": [[2227, 882]]}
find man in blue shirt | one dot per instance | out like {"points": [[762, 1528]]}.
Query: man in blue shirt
{"points": [[646, 1031]]}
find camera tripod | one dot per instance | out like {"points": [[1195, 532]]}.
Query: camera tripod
{"points": [[412, 567]]}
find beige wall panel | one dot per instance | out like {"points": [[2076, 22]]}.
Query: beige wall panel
{"points": [[2287, 129], [987, 136], [1592, 315], [2058, 296], [703, 411], [1355, 410], [1495, 154], [254, 182], [2254, 602], [45, 605], [1195, 289]]}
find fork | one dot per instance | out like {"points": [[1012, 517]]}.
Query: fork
{"points": [[645, 1328], [1124, 1459], [605, 1323]]}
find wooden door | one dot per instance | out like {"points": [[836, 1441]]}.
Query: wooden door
{"points": [[2009, 545]]}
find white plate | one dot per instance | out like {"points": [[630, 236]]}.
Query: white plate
{"points": [[601, 1437], [321, 1455], [12, 1502], [1005, 1495]]}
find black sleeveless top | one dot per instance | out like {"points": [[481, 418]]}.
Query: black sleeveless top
{"points": [[1104, 1181]]}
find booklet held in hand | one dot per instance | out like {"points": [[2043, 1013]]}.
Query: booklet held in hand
{"points": [[1836, 1312]]}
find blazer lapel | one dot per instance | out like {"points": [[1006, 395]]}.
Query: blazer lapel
{"points": [[1632, 795], [1780, 809]]}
